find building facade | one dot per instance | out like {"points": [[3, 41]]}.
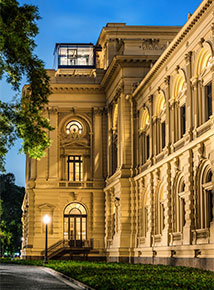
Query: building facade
{"points": [[129, 174]]}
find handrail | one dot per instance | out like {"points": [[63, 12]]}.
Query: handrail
{"points": [[62, 244], [57, 245]]}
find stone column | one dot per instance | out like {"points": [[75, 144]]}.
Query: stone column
{"points": [[200, 103], [212, 168], [154, 133], [86, 168], [53, 150], [158, 135], [189, 101], [168, 123], [167, 204], [176, 122], [195, 101], [98, 146], [212, 70], [187, 161], [151, 210], [172, 123], [124, 130], [109, 143], [151, 135]]}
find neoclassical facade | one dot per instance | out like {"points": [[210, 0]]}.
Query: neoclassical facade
{"points": [[129, 174]]}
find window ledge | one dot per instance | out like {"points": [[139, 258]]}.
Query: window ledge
{"points": [[205, 127], [161, 155], [201, 234], [177, 236], [157, 238], [145, 165], [179, 144], [141, 240]]}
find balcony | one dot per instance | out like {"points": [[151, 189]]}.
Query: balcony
{"points": [[81, 184]]}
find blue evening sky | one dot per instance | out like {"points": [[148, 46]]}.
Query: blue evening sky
{"points": [[82, 21]]}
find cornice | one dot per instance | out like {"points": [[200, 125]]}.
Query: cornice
{"points": [[123, 60], [79, 88], [175, 43], [121, 30]]}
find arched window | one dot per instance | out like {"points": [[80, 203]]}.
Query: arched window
{"points": [[145, 213], [179, 103], [180, 206], [205, 195], [75, 224], [160, 210], [160, 113], [204, 89], [74, 128], [144, 137]]}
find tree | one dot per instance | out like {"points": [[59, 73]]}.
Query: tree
{"points": [[22, 119], [11, 197]]}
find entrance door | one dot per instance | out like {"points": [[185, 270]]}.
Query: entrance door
{"points": [[75, 222]]}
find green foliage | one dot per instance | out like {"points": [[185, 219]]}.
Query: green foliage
{"points": [[17, 59], [130, 276], [10, 211]]}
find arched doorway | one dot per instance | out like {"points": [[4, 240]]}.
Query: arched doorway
{"points": [[75, 224]]}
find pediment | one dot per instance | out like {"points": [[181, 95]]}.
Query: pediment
{"points": [[46, 206], [75, 143]]}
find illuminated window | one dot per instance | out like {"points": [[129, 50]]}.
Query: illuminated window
{"points": [[75, 224], [75, 168], [74, 55], [74, 128]]}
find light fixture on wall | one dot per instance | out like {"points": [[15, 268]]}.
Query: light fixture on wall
{"points": [[46, 221]]}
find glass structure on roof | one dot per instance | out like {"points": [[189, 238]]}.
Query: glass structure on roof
{"points": [[74, 55]]}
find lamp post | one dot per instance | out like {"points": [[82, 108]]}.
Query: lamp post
{"points": [[46, 220]]}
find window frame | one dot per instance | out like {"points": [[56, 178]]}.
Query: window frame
{"points": [[73, 163]]}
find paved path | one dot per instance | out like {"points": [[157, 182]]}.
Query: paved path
{"points": [[20, 277]]}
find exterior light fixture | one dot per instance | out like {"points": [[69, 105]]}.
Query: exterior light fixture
{"points": [[46, 221]]}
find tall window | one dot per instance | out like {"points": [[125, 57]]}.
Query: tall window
{"points": [[160, 216], [75, 168], [210, 201], [180, 210], [179, 110], [183, 120], [204, 101], [163, 134], [208, 100], [160, 122], [147, 147], [206, 200], [144, 137]]}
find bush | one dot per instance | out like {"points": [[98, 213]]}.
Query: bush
{"points": [[117, 276]]}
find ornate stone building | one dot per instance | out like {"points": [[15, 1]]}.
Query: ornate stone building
{"points": [[129, 174]]}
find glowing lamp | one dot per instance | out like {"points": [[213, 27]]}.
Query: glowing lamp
{"points": [[46, 219]]}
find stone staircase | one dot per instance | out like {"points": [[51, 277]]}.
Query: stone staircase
{"points": [[62, 247]]}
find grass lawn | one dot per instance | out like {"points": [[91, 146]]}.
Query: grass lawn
{"points": [[118, 276]]}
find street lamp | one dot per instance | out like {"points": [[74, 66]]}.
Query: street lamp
{"points": [[46, 220]]}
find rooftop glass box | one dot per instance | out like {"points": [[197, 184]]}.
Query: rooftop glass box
{"points": [[75, 55]]}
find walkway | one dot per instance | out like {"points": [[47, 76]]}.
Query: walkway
{"points": [[20, 277]]}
